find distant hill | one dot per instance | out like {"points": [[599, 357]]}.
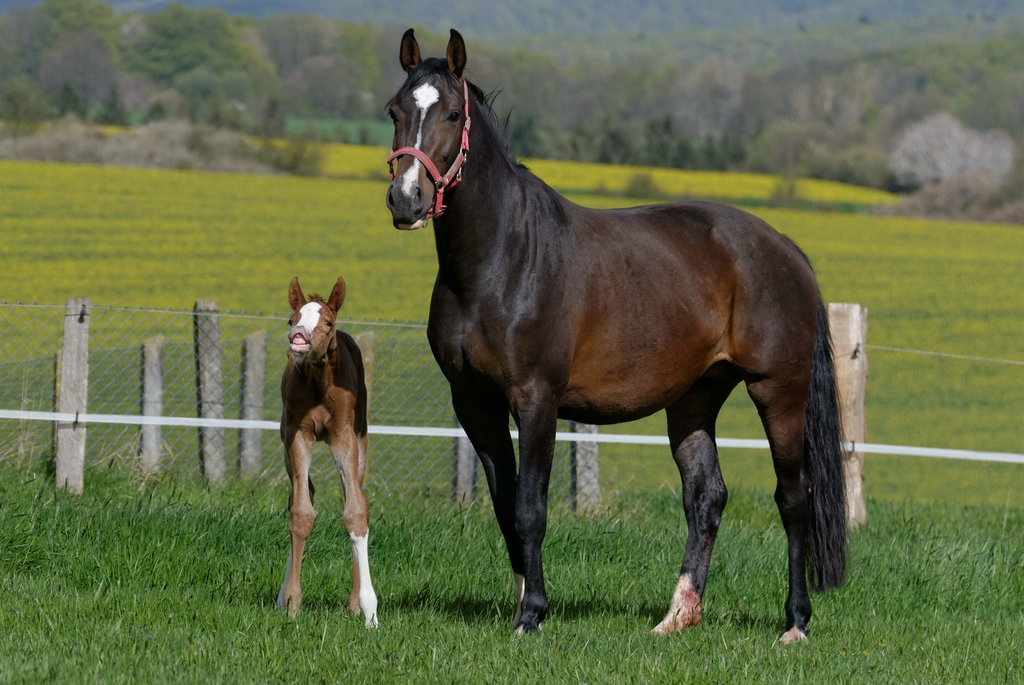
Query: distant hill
{"points": [[501, 17]]}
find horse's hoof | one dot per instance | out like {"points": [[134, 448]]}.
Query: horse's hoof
{"points": [[527, 625], [792, 635], [353, 605], [684, 610]]}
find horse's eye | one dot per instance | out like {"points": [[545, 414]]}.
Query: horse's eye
{"points": [[454, 115], [330, 324], [290, 322], [391, 113]]}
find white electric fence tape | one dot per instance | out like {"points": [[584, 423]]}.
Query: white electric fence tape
{"points": [[428, 432]]}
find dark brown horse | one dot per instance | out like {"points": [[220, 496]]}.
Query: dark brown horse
{"points": [[546, 310], [324, 396]]}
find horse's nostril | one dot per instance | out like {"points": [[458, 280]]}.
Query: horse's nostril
{"points": [[419, 194], [390, 199]]}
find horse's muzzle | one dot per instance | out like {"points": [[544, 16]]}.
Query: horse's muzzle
{"points": [[408, 210], [299, 340]]}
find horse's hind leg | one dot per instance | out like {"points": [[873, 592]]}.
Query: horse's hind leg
{"points": [[691, 430], [300, 507], [782, 414], [349, 452]]}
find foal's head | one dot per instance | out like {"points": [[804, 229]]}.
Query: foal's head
{"points": [[429, 112], [311, 325]]}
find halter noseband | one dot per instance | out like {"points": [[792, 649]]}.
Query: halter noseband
{"points": [[450, 179]]}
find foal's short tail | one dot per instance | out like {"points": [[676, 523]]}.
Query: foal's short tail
{"points": [[823, 458]]}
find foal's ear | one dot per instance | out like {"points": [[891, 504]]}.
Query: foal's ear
{"points": [[409, 53], [456, 54], [337, 295], [295, 297]]}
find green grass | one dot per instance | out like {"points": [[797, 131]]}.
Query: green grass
{"points": [[170, 583], [165, 238]]}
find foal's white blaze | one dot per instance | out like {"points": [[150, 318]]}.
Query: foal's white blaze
{"points": [[425, 96], [367, 597], [520, 582], [309, 316]]}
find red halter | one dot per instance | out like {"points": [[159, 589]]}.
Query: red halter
{"points": [[454, 175]]}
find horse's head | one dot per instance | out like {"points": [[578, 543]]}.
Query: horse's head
{"points": [[431, 117], [311, 325]]}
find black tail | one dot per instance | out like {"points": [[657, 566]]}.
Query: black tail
{"points": [[823, 458]]}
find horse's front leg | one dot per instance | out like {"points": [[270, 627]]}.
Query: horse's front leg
{"points": [[299, 450], [537, 417], [347, 450], [485, 421]]}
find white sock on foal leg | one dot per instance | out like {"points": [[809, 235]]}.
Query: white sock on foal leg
{"points": [[367, 597]]}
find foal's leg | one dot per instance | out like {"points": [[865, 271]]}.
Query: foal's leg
{"points": [[349, 456], [300, 508], [782, 414], [691, 430], [486, 424]]}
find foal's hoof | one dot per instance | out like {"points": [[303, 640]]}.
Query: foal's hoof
{"points": [[289, 605], [683, 612], [792, 635]]}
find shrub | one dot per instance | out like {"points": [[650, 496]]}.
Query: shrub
{"points": [[168, 145], [22, 104], [860, 165], [643, 186], [939, 148]]}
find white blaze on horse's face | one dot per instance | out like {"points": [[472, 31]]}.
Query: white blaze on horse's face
{"points": [[309, 319], [425, 96]]}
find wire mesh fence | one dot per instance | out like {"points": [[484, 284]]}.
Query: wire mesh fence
{"points": [[406, 389]]}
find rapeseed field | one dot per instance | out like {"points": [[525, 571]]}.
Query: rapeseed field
{"points": [[151, 238], [358, 161]]}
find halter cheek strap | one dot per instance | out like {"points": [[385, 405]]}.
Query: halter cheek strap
{"points": [[454, 175]]}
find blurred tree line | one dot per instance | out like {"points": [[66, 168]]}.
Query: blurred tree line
{"points": [[836, 119]]}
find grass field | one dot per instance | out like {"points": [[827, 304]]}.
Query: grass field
{"points": [[164, 238], [169, 583]]}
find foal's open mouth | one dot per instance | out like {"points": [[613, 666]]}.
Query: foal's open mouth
{"points": [[299, 344]]}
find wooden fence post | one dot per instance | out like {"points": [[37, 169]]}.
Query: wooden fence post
{"points": [[586, 486], [152, 402], [254, 352], [209, 388], [849, 326], [465, 469], [72, 395]]}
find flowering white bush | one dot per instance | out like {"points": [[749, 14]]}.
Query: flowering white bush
{"points": [[939, 147]]}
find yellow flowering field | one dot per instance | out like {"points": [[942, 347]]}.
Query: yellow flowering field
{"points": [[158, 238], [358, 161]]}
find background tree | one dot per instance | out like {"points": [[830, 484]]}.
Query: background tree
{"points": [[81, 62], [177, 40]]}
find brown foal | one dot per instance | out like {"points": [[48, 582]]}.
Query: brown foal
{"points": [[324, 396]]}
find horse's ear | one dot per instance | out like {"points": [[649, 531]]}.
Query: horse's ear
{"points": [[456, 54], [337, 297], [409, 54], [295, 297]]}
